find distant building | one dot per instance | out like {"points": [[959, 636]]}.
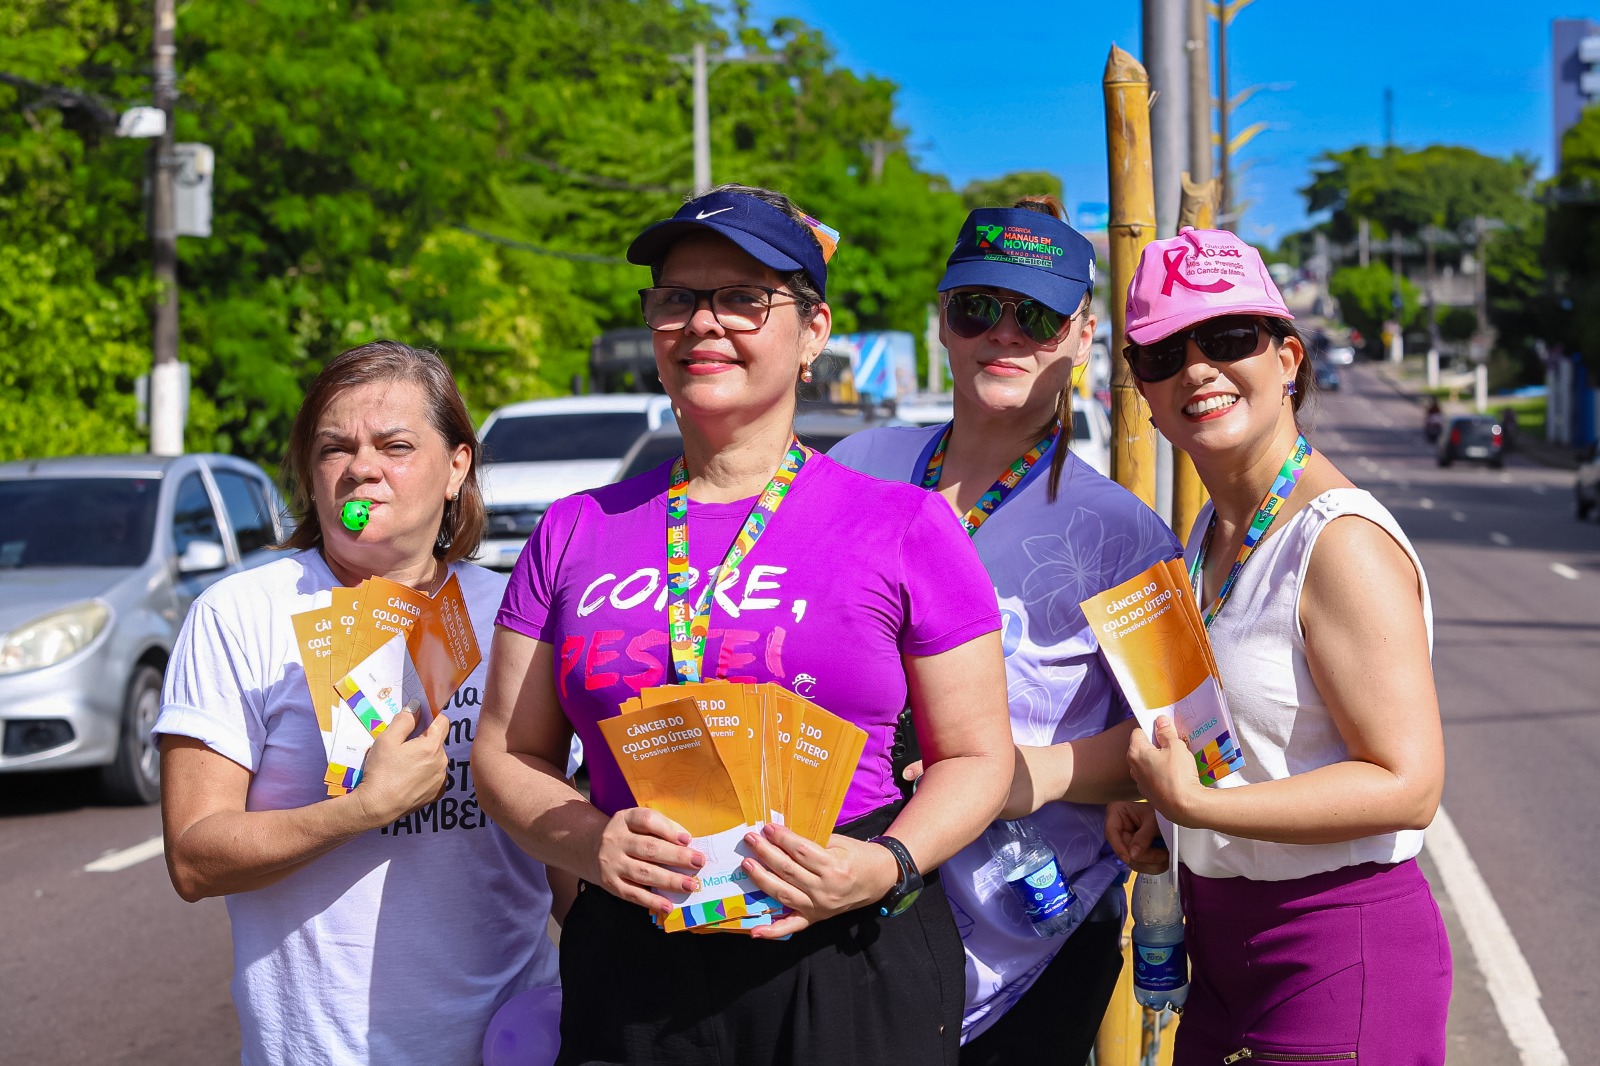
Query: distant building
{"points": [[1574, 74]]}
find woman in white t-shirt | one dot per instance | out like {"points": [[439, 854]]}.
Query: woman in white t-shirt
{"points": [[1312, 933], [387, 924]]}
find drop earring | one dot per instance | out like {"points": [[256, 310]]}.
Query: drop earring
{"points": [[805, 374], [1288, 388]]}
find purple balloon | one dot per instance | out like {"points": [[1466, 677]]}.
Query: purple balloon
{"points": [[526, 1030]]}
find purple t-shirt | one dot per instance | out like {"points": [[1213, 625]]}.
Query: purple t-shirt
{"points": [[850, 574]]}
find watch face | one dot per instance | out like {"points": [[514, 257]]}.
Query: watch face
{"points": [[904, 903]]}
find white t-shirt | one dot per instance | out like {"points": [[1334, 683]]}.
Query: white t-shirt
{"points": [[1280, 719], [1044, 559], [398, 946]]}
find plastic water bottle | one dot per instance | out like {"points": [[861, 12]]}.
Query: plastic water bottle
{"points": [[1029, 866], [1160, 964]]}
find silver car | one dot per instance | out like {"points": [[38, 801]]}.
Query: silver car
{"points": [[100, 558]]}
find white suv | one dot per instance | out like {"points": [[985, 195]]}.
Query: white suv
{"points": [[539, 451]]}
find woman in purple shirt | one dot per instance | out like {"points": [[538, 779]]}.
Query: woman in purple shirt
{"points": [[859, 595]]}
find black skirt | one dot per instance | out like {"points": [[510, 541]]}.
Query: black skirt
{"points": [[857, 988]]}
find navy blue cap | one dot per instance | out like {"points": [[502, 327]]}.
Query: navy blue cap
{"points": [[770, 236], [1013, 248]]}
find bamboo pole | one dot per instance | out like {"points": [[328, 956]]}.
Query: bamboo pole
{"points": [[1198, 209], [1133, 224]]}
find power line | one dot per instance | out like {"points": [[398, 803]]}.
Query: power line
{"points": [[603, 182], [524, 246]]}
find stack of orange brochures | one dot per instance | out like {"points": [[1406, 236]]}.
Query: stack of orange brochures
{"points": [[369, 652], [722, 760], [1151, 632]]}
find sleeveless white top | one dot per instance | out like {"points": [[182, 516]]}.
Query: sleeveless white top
{"points": [[1280, 719]]}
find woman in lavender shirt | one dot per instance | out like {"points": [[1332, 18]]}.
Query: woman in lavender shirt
{"points": [[859, 595], [1061, 534]]}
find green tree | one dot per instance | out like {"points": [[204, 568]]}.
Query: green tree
{"points": [[1570, 253], [1009, 188], [1366, 296]]}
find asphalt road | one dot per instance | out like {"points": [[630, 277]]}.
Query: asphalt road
{"points": [[1516, 596], [110, 967]]}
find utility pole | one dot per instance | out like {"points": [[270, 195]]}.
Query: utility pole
{"points": [[1199, 94], [1225, 12], [703, 66], [166, 398], [1165, 35]]}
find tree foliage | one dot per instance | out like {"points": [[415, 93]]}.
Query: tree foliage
{"points": [[367, 152], [1569, 249], [1366, 298]]}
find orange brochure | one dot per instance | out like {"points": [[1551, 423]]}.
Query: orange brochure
{"points": [[778, 714], [346, 606], [735, 730], [387, 608], [1153, 639], [443, 645], [823, 759], [314, 632], [671, 764]]}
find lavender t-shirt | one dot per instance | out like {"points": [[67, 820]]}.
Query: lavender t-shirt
{"points": [[851, 574]]}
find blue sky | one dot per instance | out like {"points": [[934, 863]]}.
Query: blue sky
{"points": [[987, 88]]}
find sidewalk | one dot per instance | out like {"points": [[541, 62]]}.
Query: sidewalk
{"points": [[1408, 380]]}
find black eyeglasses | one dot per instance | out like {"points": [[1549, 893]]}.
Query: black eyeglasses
{"points": [[1226, 339], [972, 314], [737, 308]]}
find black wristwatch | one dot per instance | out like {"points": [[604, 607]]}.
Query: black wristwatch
{"points": [[908, 887]]}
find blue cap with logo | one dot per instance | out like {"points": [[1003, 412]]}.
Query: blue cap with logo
{"points": [[1024, 251], [768, 234]]}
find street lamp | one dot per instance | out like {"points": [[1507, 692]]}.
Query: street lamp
{"points": [[703, 67]]}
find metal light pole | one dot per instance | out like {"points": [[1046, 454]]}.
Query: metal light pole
{"points": [[1199, 94], [1165, 30], [703, 66], [1225, 14], [166, 398]]}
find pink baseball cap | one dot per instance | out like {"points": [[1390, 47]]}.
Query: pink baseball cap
{"points": [[1199, 274]]}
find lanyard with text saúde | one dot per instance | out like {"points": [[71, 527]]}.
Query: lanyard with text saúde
{"points": [[688, 628], [1288, 477], [990, 501]]}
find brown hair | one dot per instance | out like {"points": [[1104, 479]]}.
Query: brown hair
{"points": [[383, 361], [1305, 376], [807, 297], [1049, 205]]}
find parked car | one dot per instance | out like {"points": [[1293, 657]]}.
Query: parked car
{"points": [[1325, 375], [541, 450], [1091, 434], [100, 558], [817, 425], [1477, 437], [1586, 487]]}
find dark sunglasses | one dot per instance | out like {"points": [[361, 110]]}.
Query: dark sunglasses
{"points": [[1222, 340], [972, 314]]}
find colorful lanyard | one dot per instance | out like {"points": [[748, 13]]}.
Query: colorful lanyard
{"points": [[687, 629], [1282, 486], [990, 501]]}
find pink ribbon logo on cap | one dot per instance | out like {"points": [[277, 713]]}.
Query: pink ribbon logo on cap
{"points": [[1173, 261]]}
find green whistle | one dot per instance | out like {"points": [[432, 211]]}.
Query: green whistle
{"points": [[356, 514]]}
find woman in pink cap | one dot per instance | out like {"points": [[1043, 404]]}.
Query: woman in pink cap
{"points": [[1312, 934]]}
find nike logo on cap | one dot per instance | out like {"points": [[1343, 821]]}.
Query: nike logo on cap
{"points": [[708, 214]]}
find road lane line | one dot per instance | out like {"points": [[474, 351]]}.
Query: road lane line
{"points": [[1425, 503], [1563, 570], [1510, 979], [121, 860], [1500, 539], [1459, 516], [1538, 490], [1505, 478]]}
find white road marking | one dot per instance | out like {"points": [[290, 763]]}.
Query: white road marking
{"points": [[1459, 516], [1563, 570], [113, 861], [1505, 478], [1511, 983], [1366, 464], [1538, 490], [1425, 503], [1500, 539]]}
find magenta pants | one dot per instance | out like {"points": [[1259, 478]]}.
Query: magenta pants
{"points": [[1347, 966]]}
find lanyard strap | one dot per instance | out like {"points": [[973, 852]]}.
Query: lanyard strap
{"points": [[1288, 477], [688, 628], [990, 501]]}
